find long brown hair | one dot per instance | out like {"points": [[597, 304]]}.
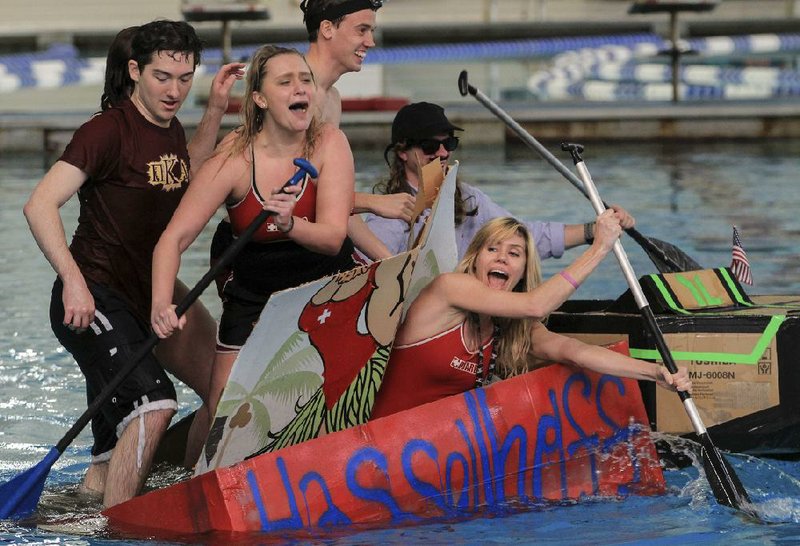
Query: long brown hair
{"points": [[514, 342], [252, 115], [397, 183], [118, 85]]}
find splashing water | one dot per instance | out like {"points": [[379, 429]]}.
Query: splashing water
{"points": [[774, 493]]}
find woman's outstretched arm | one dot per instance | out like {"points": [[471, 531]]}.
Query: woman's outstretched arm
{"points": [[549, 346]]}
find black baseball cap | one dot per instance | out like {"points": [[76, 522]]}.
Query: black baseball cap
{"points": [[420, 120]]}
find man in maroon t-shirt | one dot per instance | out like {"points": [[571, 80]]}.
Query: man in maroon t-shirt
{"points": [[129, 166]]}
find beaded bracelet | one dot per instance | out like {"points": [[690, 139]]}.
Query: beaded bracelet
{"points": [[570, 279]]}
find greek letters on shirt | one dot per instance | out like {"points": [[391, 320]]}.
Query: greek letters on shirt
{"points": [[168, 171]]}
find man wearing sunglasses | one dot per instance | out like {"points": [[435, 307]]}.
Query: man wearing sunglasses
{"points": [[421, 133]]}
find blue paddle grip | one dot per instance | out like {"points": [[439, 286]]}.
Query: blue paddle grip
{"points": [[305, 167]]}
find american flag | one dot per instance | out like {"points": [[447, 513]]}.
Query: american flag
{"points": [[740, 266]]}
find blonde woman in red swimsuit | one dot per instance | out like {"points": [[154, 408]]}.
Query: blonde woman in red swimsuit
{"points": [[485, 320], [306, 237]]}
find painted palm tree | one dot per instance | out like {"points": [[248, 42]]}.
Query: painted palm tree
{"points": [[287, 378], [352, 408]]}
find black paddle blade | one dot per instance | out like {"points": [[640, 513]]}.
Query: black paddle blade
{"points": [[723, 480], [667, 257], [20, 495], [672, 256]]}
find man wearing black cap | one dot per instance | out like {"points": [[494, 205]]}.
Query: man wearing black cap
{"points": [[421, 133]]}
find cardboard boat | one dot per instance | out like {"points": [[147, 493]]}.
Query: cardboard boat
{"points": [[742, 352], [549, 435]]}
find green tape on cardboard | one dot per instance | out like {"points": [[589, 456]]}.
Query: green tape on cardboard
{"points": [[667, 296], [750, 359], [740, 298], [689, 285], [733, 289]]}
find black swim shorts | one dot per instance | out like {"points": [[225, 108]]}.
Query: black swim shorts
{"points": [[239, 316], [101, 352]]}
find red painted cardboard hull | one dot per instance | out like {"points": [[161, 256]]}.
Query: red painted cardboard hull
{"points": [[553, 434]]}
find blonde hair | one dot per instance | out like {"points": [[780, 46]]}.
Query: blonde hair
{"points": [[253, 115], [514, 340]]}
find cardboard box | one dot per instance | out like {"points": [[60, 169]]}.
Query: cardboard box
{"points": [[742, 353]]}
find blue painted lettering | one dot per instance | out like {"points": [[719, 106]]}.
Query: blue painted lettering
{"points": [[372, 457], [589, 443], [332, 515], [293, 521]]}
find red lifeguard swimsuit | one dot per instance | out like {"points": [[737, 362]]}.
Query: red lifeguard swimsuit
{"points": [[270, 262], [428, 370], [251, 205]]}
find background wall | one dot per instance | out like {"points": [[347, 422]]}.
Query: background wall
{"points": [[30, 25], [25, 18]]}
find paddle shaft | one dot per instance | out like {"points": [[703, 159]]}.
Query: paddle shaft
{"points": [[724, 483], [638, 296], [183, 306], [535, 145]]}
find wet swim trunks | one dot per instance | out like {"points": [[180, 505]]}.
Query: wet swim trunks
{"points": [[101, 352]]}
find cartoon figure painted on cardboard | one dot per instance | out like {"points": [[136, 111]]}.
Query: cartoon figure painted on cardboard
{"points": [[351, 321]]}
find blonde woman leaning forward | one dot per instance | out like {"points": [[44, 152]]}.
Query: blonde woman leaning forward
{"points": [[486, 320]]}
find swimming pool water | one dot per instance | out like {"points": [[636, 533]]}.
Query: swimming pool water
{"points": [[687, 194]]}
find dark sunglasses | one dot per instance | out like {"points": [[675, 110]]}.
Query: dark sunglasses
{"points": [[430, 146]]}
